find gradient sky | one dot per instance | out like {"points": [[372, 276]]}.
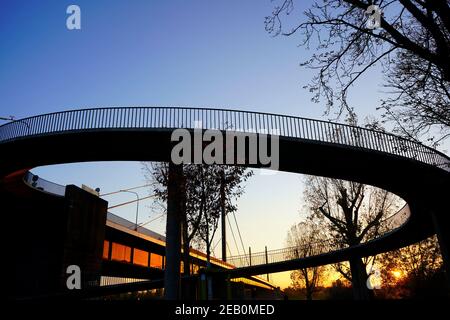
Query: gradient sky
{"points": [[164, 53]]}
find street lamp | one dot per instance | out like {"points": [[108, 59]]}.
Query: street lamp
{"points": [[137, 206]]}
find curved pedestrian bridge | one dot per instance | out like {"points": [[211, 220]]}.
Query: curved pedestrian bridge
{"points": [[418, 174]]}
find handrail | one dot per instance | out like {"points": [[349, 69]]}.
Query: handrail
{"points": [[44, 185], [393, 222], [222, 119]]}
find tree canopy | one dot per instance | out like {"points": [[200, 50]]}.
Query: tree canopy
{"points": [[411, 46]]}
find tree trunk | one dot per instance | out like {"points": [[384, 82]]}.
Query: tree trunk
{"points": [[186, 257], [222, 205], [208, 265], [308, 294], [359, 279]]}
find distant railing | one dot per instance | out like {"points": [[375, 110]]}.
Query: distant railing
{"points": [[278, 255], [389, 224], [220, 119], [131, 225], [193, 253], [44, 185]]}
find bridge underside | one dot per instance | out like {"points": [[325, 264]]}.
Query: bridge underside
{"points": [[424, 187]]}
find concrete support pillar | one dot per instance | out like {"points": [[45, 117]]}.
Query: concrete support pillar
{"points": [[173, 232]]}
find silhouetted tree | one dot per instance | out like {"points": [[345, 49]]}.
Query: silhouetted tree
{"points": [[339, 290], [409, 270], [411, 45], [203, 198], [352, 213], [308, 239]]}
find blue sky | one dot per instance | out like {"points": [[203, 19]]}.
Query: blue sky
{"points": [[163, 53], [196, 53]]}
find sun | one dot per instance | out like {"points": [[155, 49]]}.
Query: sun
{"points": [[397, 274]]}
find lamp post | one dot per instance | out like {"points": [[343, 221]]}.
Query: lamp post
{"points": [[137, 206]]}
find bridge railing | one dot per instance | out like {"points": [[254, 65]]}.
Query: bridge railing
{"points": [[220, 119], [387, 224], [279, 255], [44, 185]]}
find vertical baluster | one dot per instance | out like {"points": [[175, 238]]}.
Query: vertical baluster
{"points": [[314, 130], [373, 136], [304, 129], [158, 118], [103, 118], [48, 120], [99, 120], [297, 128], [130, 115], [30, 127], [350, 135], [137, 119], [64, 117], [391, 144], [77, 116], [92, 114], [39, 124], [95, 118], [145, 117], [44, 124], [291, 127], [74, 120], [49, 123], [322, 134], [371, 141], [278, 121], [108, 117], [57, 122], [83, 119], [318, 127], [366, 138], [70, 120], [153, 117], [87, 123]]}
